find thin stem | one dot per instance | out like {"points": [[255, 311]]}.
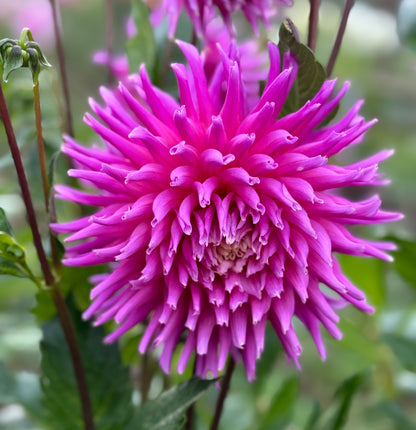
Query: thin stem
{"points": [[24, 186], [41, 145], [75, 353], [50, 281], [341, 30], [62, 68], [313, 24], [190, 413], [109, 36], [223, 394], [49, 204]]}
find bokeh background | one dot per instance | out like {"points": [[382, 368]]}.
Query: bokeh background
{"points": [[373, 368]]}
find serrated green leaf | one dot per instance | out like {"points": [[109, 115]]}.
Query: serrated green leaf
{"points": [[311, 74], [108, 380], [281, 408], [404, 349], [168, 411], [406, 23], [141, 48]]}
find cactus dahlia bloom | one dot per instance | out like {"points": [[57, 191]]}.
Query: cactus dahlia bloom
{"points": [[217, 218], [202, 11]]}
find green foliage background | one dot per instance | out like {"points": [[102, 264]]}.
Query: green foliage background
{"points": [[369, 378]]}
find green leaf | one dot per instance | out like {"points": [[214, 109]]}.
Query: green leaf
{"points": [[368, 274], [12, 254], [343, 397], [406, 23], [108, 381], [141, 48], [281, 409], [397, 415], [4, 223], [404, 259], [403, 348], [167, 412], [311, 74]]}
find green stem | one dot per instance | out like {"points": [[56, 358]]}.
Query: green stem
{"points": [[49, 205], [49, 278], [341, 30], [223, 394], [62, 68], [41, 145], [313, 24]]}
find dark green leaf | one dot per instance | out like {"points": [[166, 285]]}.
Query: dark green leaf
{"points": [[281, 408], [311, 74], [108, 380], [404, 349], [406, 23], [167, 412], [141, 48]]}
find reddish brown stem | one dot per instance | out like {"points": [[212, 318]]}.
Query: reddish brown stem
{"points": [[225, 386], [313, 24], [341, 30]]}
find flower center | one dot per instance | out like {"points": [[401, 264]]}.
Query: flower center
{"points": [[231, 256]]}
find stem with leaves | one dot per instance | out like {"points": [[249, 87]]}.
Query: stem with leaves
{"points": [[223, 394], [49, 278], [338, 40]]}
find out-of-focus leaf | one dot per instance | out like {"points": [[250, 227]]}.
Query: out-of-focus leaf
{"points": [[281, 408], [141, 48], [397, 415], [22, 388], [74, 280], [404, 259], [108, 380], [406, 23], [368, 274], [167, 412], [311, 74], [343, 397], [404, 349]]}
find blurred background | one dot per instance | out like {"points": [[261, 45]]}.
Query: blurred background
{"points": [[376, 359]]}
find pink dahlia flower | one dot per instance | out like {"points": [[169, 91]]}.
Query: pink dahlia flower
{"points": [[218, 218], [202, 11]]}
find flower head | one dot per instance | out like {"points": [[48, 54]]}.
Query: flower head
{"points": [[202, 11], [217, 217]]}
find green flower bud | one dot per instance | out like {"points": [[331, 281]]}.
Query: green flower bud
{"points": [[24, 52]]}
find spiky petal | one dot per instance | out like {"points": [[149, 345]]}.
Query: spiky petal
{"points": [[218, 217]]}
